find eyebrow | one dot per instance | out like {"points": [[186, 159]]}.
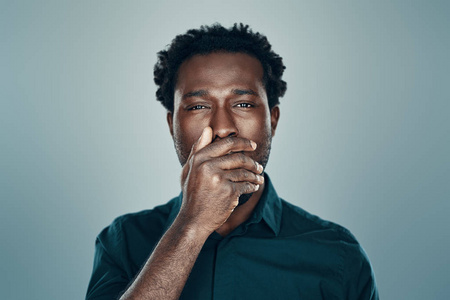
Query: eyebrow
{"points": [[200, 93], [244, 92]]}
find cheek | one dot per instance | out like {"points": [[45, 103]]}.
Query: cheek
{"points": [[257, 127], [188, 131]]}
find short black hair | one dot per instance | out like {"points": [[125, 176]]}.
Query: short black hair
{"points": [[216, 38]]}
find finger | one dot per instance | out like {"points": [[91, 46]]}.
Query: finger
{"points": [[204, 140], [241, 175], [238, 161], [229, 145], [245, 187]]}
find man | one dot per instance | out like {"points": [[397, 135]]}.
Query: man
{"points": [[227, 235]]}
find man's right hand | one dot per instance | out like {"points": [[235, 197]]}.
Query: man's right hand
{"points": [[213, 178]]}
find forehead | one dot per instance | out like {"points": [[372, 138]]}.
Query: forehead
{"points": [[220, 70]]}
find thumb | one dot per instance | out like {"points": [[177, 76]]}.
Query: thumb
{"points": [[204, 140]]}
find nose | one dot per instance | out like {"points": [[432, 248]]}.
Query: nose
{"points": [[223, 124]]}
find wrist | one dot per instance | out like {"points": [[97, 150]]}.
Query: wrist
{"points": [[191, 229]]}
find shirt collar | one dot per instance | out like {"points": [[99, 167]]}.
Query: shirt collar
{"points": [[267, 209]]}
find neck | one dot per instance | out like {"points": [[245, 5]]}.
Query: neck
{"points": [[241, 213]]}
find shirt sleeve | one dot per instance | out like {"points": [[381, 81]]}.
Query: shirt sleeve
{"points": [[359, 278], [108, 279]]}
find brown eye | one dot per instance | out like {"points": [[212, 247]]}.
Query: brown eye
{"points": [[196, 107], [244, 105]]}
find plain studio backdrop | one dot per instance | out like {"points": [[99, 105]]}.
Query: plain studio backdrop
{"points": [[363, 138]]}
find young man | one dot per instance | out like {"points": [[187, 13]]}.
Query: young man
{"points": [[227, 235]]}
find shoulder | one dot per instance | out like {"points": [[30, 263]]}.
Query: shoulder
{"points": [[150, 222], [297, 221], [335, 244], [130, 238], [328, 239]]}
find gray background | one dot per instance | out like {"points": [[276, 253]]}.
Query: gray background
{"points": [[363, 138]]}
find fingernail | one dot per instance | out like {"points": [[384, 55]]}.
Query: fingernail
{"points": [[253, 144], [261, 178], [260, 168], [256, 187], [203, 132]]}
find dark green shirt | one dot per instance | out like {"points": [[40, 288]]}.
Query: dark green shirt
{"points": [[280, 252]]}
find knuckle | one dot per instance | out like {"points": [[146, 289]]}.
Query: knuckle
{"points": [[195, 158], [222, 159], [230, 141], [216, 179], [242, 158], [204, 168], [231, 189]]}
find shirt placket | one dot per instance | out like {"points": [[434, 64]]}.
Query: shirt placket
{"points": [[225, 276]]}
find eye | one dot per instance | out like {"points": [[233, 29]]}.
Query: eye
{"points": [[245, 105], [196, 107]]}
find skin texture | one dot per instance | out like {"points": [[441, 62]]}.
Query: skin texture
{"points": [[222, 129]]}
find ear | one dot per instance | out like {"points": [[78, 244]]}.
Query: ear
{"points": [[170, 122], [274, 116]]}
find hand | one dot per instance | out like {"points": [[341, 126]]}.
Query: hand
{"points": [[213, 178]]}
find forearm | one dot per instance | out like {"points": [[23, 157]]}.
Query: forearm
{"points": [[166, 271]]}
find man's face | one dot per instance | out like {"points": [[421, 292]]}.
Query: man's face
{"points": [[224, 91]]}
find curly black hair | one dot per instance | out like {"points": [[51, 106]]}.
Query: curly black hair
{"points": [[216, 38]]}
